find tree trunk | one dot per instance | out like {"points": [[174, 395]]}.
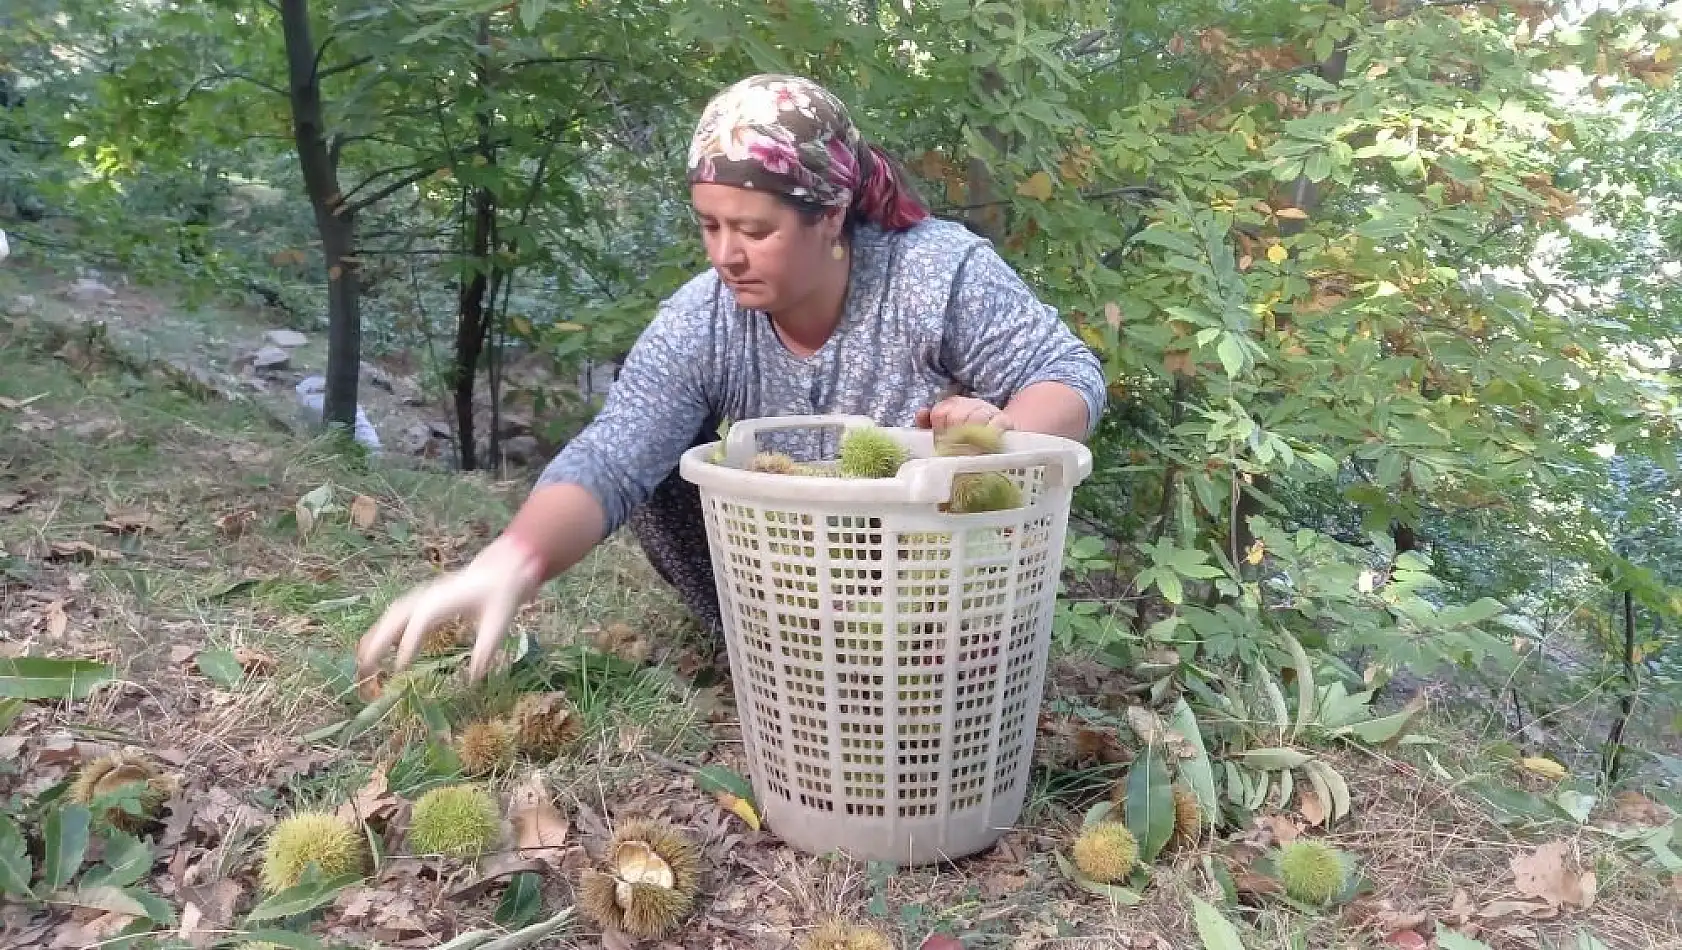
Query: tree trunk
{"points": [[1612, 756], [472, 314], [335, 223]]}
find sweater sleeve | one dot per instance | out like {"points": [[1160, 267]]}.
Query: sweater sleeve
{"points": [[1000, 338], [652, 414]]}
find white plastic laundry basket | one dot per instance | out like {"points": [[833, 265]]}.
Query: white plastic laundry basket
{"points": [[888, 657]]}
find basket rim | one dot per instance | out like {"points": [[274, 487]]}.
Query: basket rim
{"points": [[924, 479]]}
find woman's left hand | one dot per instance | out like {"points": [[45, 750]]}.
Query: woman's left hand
{"points": [[962, 410]]}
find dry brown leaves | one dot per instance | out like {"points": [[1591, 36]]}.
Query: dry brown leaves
{"points": [[207, 910], [1544, 873], [80, 551], [1634, 808], [1152, 731], [130, 521], [364, 511], [373, 802], [234, 524], [1313, 810], [540, 830]]}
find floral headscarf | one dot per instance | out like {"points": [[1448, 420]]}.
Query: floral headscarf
{"points": [[791, 136]]}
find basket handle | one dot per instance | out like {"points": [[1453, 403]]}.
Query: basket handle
{"points": [[742, 441], [930, 479]]}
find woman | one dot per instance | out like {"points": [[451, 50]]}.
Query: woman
{"points": [[831, 291]]}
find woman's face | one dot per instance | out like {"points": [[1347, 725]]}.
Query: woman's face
{"points": [[763, 250]]}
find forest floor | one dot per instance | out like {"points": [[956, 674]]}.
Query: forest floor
{"points": [[225, 566]]}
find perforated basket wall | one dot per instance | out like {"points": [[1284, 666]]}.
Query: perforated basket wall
{"points": [[888, 659]]}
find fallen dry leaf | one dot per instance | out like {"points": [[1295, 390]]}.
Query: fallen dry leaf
{"points": [[80, 551], [8, 403], [127, 522], [1284, 828], [58, 622], [540, 829], [1100, 745], [1258, 885], [1542, 873], [1381, 915], [498, 866], [1634, 808], [215, 903], [364, 511], [255, 662], [373, 801], [1407, 940], [1461, 908], [234, 523], [11, 500], [1152, 731], [191, 918], [1540, 910], [1313, 811]]}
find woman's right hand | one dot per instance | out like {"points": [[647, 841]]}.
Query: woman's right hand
{"points": [[488, 591]]}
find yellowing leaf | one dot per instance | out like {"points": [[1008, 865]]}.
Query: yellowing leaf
{"points": [[1038, 185], [1254, 555], [569, 327], [1277, 253], [739, 807], [1295, 214], [1544, 766]]}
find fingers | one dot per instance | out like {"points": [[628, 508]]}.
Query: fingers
{"points": [[493, 624], [444, 600], [384, 633], [962, 410]]}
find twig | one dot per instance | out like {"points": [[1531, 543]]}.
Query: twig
{"points": [[387, 191]]}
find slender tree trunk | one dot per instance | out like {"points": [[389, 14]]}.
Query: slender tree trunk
{"points": [[472, 312], [1613, 757], [335, 223]]}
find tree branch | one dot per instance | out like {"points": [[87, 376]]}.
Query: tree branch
{"points": [[376, 176], [388, 190], [343, 67], [557, 61], [320, 51], [227, 74]]}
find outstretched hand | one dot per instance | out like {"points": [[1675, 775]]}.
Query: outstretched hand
{"points": [[489, 590]]}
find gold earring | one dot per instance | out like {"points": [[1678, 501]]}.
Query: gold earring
{"points": [[837, 251]]}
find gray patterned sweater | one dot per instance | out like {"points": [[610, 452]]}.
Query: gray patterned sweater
{"points": [[926, 308]]}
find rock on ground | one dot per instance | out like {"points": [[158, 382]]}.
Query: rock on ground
{"points": [[286, 338], [271, 357]]}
